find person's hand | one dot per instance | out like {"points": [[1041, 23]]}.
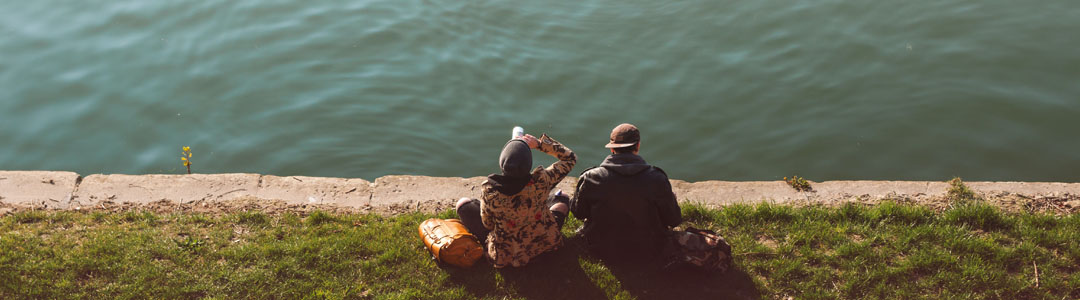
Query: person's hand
{"points": [[531, 140]]}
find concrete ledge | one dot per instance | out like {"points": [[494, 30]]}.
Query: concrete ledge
{"points": [[730, 192], [403, 193], [1050, 189], [37, 188], [422, 193], [346, 192], [425, 193], [177, 188]]}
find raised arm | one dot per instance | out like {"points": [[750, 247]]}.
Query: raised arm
{"points": [[550, 176]]}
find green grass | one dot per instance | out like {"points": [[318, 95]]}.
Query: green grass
{"points": [[896, 251], [958, 192]]}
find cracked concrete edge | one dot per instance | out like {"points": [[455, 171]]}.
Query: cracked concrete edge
{"points": [[40, 188], [403, 193], [406, 193]]}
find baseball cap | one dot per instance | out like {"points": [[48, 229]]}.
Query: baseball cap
{"points": [[624, 135]]}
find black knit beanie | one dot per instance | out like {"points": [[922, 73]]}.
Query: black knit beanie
{"points": [[516, 159]]}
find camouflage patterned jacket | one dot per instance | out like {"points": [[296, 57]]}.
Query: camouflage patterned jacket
{"points": [[522, 225]]}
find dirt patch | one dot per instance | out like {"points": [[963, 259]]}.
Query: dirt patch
{"points": [[1063, 204], [767, 242], [857, 238]]}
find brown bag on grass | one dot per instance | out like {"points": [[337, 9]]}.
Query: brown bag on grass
{"points": [[698, 249], [450, 242]]}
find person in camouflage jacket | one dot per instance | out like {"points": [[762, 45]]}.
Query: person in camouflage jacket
{"points": [[514, 214]]}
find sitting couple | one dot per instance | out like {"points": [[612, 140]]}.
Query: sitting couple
{"points": [[626, 204]]}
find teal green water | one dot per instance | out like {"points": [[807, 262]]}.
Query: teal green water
{"points": [[729, 90]]}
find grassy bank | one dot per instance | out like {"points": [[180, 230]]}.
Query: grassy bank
{"points": [[854, 251]]}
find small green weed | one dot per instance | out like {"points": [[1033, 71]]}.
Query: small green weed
{"points": [[799, 183], [189, 243], [185, 156], [959, 192]]}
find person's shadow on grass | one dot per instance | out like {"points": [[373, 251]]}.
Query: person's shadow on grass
{"points": [[552, 275], [559, 275], [651, 282]]}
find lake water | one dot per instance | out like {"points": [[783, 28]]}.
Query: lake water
{"points": [[728, 90]]}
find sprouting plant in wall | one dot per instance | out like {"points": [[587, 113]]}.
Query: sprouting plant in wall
{"points": [[186, 158], [799, 183], [959, 192]]}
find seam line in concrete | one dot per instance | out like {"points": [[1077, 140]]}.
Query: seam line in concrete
{"points": [[71, 195]]}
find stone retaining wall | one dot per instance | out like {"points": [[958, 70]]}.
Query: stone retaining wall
{"points": [[68, 190]]}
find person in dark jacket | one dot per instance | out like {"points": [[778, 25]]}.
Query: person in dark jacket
{"points": [[627, 205]]}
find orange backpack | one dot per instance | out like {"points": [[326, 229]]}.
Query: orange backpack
{"points": [[450, 242]]}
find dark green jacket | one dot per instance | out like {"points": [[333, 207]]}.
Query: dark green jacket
{"points": [[627, 206]]}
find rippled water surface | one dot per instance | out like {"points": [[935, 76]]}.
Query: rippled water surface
{"points": [[731, 90]]}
